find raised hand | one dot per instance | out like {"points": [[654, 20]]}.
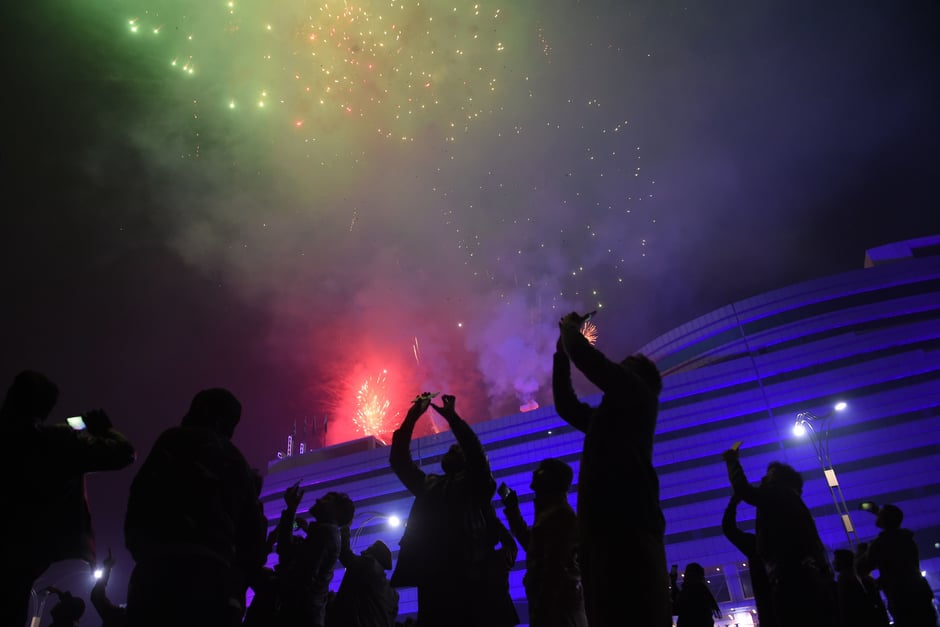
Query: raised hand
{"points": [[733, 453], [419, 405], [108, 562], [446, 408], [292, 496]]}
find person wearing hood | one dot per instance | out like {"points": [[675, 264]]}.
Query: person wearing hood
{"points": [[365, 597], [616, 471], [895, 556], [194, 522]]}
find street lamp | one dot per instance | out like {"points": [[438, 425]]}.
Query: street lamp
{"points": [[817, 428], [390, 519]]}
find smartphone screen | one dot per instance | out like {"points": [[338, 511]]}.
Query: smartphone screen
{"points": [[76, 422], [503, 490]]}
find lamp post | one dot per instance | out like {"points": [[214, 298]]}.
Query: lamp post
{"points": [[817, 428], [391, 520]]}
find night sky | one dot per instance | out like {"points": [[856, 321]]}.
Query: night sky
{"points": [[292, 198]]}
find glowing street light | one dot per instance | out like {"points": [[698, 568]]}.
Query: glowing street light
{"points": [[390, 519], [817, 428]]}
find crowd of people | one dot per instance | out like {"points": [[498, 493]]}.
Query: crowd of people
{"points": [[195, 501]]}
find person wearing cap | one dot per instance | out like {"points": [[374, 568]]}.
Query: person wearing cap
{"points": [[616, 463], [895, 556], [69, 609], [365, 597], [47, 518], [194, 522]]}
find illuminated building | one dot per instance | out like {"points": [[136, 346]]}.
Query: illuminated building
{"points": [[869, 337]]}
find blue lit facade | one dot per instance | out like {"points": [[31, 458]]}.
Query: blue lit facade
{"points": [[870, 337]]}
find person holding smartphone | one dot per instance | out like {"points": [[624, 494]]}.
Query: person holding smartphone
{"points": [[48, 517], [802, 584], [447, 549], [616, 472]]}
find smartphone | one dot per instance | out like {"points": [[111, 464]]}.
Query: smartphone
{"points": [[503, 490], [736, 445], [588, 316], [76, 422]]}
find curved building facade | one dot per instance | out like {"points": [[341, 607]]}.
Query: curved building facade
{"points": [[745, 372]]}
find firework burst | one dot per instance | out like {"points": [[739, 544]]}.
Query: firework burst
{"points": [[384, 66], [372, 404], [589, 331]]}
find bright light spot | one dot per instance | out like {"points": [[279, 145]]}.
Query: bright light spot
{"points": [[394, 521], [99, 573], [799, 429], [840, 406]]}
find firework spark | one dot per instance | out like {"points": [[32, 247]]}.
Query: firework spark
{"points": [[589, 331], [382, 65], [372, 406]]}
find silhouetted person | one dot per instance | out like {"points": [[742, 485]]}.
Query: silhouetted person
{"points": [[553, 577], [693, 604], [365, 597], [747, 544], [194, 524], [263, 608], [895, 556], [306, 565], [858, 607], [623, 558], [500, 562], [801, 581], [264, 584], [871, 586], [447, 548], [112, 615], [68, 611], [46, 517]]}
